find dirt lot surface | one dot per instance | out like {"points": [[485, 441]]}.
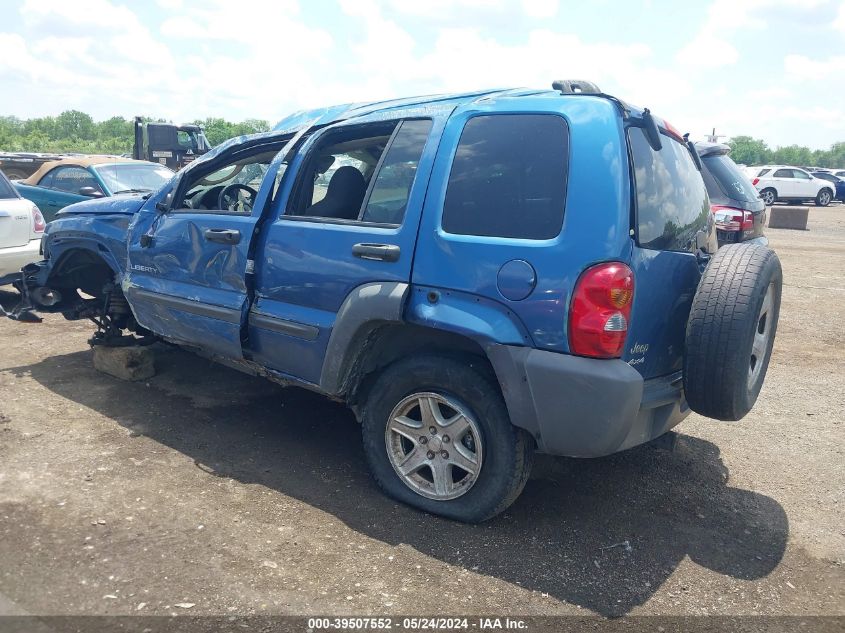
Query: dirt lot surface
{"points": [[210, 488]]}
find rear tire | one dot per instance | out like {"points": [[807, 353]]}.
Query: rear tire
{"points": [[458, 387], [823, 198], [731, 331], [770, 196]]}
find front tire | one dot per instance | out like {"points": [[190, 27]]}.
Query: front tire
{"points": [[769, 196], [823, 198], [437, 436]]}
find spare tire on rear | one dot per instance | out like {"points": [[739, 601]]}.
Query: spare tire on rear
{"points": [[731, 330]]}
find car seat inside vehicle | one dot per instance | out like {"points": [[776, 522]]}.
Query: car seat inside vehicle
{"points": [[344, 195], [338, 172]]}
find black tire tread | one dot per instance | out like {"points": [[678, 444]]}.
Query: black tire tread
{"points": [[721, 323]]}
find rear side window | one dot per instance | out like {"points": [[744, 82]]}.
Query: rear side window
{"points": [[730, 179], [508, 177], [6, 189], [47, 181], [763, 172], [672, 203], [783, 173]]}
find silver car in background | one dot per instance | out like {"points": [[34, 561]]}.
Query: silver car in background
{"points": [[21, 228]]}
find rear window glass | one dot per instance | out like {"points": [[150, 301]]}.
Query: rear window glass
{"points": [[508, 178], [672, 203], [6, 189], [730, 178]]}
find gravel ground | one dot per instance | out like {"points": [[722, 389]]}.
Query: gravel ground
{"points": [[210, 488]]}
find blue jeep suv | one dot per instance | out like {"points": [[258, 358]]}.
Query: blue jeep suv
{"points": [[479, 276]]}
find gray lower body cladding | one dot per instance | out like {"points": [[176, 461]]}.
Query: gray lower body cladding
{"points": [[584, 407]]}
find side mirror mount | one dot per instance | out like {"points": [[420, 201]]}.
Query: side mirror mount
{"points": [[90, 192], [652, 133], [163, 206]]}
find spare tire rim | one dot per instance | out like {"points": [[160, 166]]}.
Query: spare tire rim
{"points": [[762, 334], [434, 445]]}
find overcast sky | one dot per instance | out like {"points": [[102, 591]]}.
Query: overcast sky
{"points": [[773, 69]]}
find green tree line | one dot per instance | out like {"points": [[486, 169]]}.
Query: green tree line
{"points": [[754, 151], [75, 131]]}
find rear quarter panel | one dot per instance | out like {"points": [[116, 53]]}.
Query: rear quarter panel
{"points": [[49, 201], [35, 194], [595, 228]]}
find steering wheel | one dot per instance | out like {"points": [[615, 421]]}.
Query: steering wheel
{"points": [[232, 198]]}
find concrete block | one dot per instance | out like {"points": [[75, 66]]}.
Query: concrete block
{"points": [[788, 217], [126, 363]]}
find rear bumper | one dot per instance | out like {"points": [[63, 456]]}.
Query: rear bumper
{"points": [[583, 407], [13, 259]]}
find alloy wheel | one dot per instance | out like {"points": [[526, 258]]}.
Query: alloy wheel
{"points": [[435, 446]]}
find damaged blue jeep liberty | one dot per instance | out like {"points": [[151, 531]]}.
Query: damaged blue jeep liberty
{"points": [[479, 276]]}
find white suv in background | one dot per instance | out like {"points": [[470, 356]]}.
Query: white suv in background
{"points": [[21, 228], [782, 182]]}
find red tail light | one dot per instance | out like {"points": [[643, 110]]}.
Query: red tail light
{"points": [[38, 223], [755, 181], [731, 219], [600, 311]]}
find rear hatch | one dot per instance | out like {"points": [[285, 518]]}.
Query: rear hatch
{"points": [[673, 234], [739, 211], [15, 216]]}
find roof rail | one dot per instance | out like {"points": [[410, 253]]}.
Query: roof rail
{"points": [[575, 86], [565, 87]]}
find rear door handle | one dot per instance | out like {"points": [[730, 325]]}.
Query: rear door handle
{"points": [[378, 252], [223, 236]]}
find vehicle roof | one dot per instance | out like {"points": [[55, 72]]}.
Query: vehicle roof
{"points": [[79, 161], [706, 148], [13, 155], [320, 117], [779, 167], [335, 113]]}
